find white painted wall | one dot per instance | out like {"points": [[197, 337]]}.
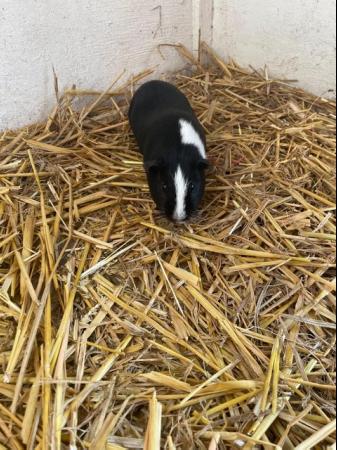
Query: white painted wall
{"points": [[295, 38], [89, 42]]}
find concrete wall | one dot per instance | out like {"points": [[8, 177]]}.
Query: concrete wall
{"points": [[295, 38], [89, 43]]}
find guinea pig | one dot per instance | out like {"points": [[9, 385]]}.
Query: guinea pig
{"points": [[173, 145]]}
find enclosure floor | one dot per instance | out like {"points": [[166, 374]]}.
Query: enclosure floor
{"points": [[119, 330]]}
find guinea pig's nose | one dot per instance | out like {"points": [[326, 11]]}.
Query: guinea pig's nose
{"points": [[180, 219]]}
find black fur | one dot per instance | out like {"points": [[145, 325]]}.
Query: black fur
{"points": [[154, 115]]}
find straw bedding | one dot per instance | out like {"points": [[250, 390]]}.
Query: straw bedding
{"points": [[119, 330]]}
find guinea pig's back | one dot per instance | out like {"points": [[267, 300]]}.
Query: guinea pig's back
{"points": [[152, 101]]}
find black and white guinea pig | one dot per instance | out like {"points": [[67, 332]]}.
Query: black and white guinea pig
{"points": [[173, 145]]}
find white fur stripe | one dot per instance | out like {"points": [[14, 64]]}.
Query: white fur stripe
{"points": [[181, 187], [189, 136]]}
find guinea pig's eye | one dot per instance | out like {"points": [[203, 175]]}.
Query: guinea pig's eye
{"points": [[164, 187], [192, 187]]}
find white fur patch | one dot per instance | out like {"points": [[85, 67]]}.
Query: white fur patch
{"points": [[181, 186], [189, 136]]}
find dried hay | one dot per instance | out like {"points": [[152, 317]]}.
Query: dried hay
{"points": [[121, 331]]}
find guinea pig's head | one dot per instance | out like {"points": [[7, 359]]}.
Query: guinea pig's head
{"points": [[177, 187]]}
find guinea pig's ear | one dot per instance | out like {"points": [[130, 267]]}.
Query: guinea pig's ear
{"points": [[152, 166], [203, 164]]}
